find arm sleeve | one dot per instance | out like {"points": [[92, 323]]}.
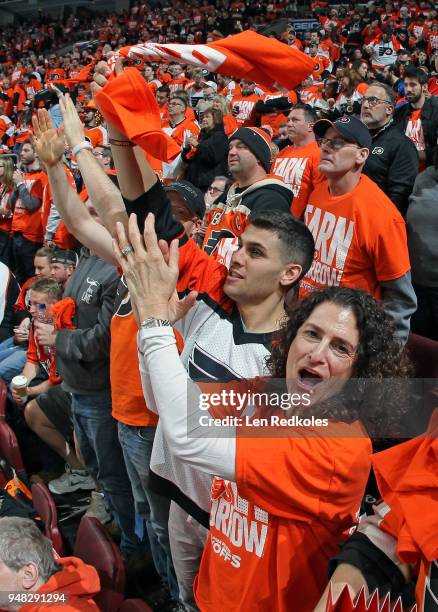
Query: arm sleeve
{"points": [[155, 201], [170, 391], [93, 342], [379, 570], [400, 302], [402, 174], [272, 199], [7, 323], [29, 201], [52, 222]]}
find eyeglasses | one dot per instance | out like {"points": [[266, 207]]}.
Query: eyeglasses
{"points": [[373, 101], [212, 189], [336, 144]]}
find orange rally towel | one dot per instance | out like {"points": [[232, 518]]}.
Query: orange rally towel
{"points": [[130, 106], [246, 55], [64, 310]]}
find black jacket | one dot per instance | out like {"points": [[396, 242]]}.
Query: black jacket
{"points": [[393, 164], [209, 159], [429, 121]]}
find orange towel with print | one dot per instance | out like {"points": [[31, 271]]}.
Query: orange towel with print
{"points": [[246, 55], [130, 106]]}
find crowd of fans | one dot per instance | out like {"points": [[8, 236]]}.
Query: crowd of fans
{"points": [[292, 248]]}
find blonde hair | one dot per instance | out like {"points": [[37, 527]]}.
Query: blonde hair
{"points": [[8, 166], [225, 105]]}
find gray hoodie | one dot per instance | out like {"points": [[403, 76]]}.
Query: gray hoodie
{"points": [[82, 354]]}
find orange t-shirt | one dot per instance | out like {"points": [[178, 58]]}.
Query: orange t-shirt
{"points": [[274, 530], [128, 405], [25, 221], [37, 355], [98, 136], [246, 105], [62, 237], [298, 166], [230, 124], [360, 239]]}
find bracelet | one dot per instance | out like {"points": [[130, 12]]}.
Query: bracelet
{"points": [[81, 145], [121, 143]]}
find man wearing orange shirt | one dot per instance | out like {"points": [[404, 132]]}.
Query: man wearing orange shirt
{"points": [[242, 105], [298, 163], [182, 130], [26, 202], [360, 236]]}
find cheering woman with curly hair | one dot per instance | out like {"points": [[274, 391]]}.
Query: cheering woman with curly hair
{"points": [[285, 495]]}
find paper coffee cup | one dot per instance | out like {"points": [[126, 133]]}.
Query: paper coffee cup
{"points": [[20, 383]]}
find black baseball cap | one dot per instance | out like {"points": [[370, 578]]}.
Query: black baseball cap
{"points": [[66, 257], [350, 127], [192, 196]]}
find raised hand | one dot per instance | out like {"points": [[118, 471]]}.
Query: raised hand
{"points": [[48, 141], [73, 128], [150, 272]]}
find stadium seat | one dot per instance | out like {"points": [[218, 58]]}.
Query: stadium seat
{"points": [[134, 605], [424, 354], [3, 479], [95, 547], [46, 510], [10, 451], [3, 394]]}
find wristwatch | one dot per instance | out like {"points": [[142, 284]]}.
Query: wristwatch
{"points": [[152, 322]]}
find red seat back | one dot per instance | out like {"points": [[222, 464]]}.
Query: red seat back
{"points": [[134, 605], [10, 451], [3, 395], [424, 354], [95, 547], [46, 510]]}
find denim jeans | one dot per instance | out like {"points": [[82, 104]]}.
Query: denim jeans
{"points": [[12, 360], [137, 445], [96, 431]]}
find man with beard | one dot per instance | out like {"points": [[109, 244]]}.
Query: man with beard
{"points": [[419, 116], [26, 201], [97, 134]]}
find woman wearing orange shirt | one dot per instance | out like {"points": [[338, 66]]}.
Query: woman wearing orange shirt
{"points": [[222, 104], [278, 506], [7, 186]]}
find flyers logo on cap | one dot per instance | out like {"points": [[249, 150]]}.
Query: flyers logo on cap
{"points": [[344, 119]]}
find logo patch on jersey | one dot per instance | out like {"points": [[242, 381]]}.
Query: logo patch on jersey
{"points": [[202, 366], [122, 302]]}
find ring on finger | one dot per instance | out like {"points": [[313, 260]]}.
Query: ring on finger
{"points": [[126, 250]]}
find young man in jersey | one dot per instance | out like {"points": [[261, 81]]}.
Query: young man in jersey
{"points": [[360, 236], [249, 161], [27, 232], [298, 163], [293, 260]]}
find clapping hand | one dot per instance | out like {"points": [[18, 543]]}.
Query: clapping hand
{"points": [[150, 268]]}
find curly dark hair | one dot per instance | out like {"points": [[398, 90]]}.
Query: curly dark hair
{"points": [[380, 403]]}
